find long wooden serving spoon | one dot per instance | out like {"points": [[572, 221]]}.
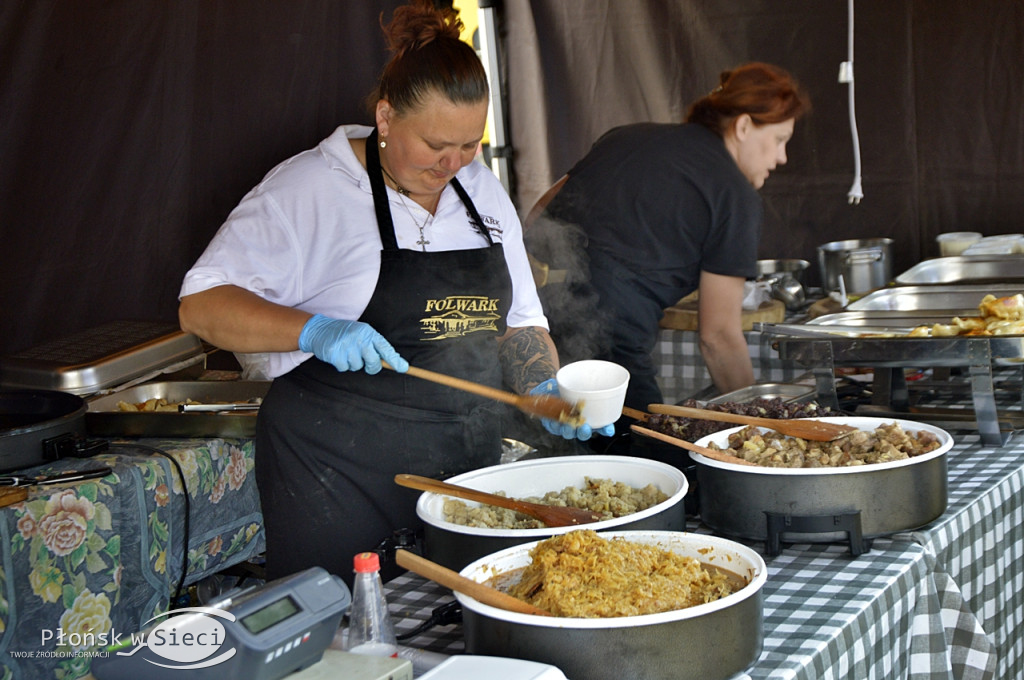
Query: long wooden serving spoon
{"points": [[814, 430], [689, 446], [551, 515], [539, 405], [467, 586]]}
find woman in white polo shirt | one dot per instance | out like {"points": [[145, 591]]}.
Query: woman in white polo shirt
{"points": [[385, 243]]}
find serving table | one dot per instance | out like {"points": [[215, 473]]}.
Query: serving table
{"points": [[945, 601]]}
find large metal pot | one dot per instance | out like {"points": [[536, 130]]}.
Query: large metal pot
{"points": [[455, 545], [711, 641], [735, 499], [31, 421], [864, 264]]}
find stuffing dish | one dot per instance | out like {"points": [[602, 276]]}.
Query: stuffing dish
{"points": [[886, 443], [603, 496], [582, 575]]}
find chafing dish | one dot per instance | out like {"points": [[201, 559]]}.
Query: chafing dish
{"points": [[965, 269], [784, 391], [105, 418], [937, 297], [863, 342]]}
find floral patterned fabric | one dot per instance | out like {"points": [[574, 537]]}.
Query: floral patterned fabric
{"points": [[85, 564]]}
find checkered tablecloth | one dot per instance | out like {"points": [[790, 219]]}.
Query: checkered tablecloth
{"points": [[944, 602], [976, 556], [683, 373]]}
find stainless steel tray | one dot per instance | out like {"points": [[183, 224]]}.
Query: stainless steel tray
{"points": [[888, 321], [945, 297], [784, 391], [104, 419], [100, 358], [864, 344], [965, 269]]}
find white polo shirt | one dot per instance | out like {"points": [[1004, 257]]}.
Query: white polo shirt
{"points": [[307, 237]]}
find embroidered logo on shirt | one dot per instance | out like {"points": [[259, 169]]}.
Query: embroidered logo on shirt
{"points": [[458, 315]]}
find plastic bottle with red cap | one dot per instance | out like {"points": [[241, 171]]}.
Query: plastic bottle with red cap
{"points": [[370, 630]]}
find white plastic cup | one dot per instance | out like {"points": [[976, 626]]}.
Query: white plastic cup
{"points": [[599, 385], [956, 242]]}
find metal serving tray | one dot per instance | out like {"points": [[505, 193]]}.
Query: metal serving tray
{"points": [[890, 321], [945, 297], [102, 357], [104, 419], [784, 391], [965, 269]]}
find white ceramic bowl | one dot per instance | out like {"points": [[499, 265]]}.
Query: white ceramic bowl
{"points": [[599, 385], [456, 545], [721, 439]]}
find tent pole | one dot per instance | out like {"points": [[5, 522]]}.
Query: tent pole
{"points": [[500, 153]]}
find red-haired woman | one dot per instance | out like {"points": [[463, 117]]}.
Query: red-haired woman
{"points": [[656, 211]]}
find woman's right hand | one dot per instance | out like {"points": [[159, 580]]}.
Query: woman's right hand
{"points": [[349, 345]]}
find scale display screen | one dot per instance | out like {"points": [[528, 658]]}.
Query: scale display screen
{"points": [[273, 613]]}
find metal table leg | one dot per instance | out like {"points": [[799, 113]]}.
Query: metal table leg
{"points": [[983, 392]]}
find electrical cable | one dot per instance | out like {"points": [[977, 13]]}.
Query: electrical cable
{"points": [[188, 511], [444, 615], [856, 193]]}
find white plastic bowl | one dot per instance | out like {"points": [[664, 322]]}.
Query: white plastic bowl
{"points": [[599, 385]]}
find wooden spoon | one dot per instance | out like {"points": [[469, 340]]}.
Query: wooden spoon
{"points": [[539, 405], [551, 515], [814, 430], [467, 586], [635, 414], [683, 444]]}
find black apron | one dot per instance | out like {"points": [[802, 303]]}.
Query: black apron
{"points": [[329, 443]]}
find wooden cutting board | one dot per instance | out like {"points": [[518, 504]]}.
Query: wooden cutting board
{"points": [[682, 316]]}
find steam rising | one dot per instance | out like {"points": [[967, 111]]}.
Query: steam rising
{"points": [[562, 269]]}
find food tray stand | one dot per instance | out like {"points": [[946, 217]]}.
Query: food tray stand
{"points": [[822, 352]]}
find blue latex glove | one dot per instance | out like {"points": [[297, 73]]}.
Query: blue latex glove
{"points": [[566, 431], [349, 345]]}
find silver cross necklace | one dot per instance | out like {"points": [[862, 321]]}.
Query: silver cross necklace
{"points": [[402, 194]]}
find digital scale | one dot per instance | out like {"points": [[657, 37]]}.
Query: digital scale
{"points": [[262, 632], [282, 628]]}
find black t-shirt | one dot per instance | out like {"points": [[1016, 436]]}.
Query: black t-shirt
{"points": [[666, 201], [653, 205]]}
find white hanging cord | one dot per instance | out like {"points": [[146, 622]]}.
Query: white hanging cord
{"points": [[846, 76]]}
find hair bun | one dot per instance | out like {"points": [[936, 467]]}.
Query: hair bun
{"points": [[419, 23]]}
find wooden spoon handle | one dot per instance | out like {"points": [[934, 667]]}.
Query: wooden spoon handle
{"points": [[705, 414], [635, 414], [437, 486], [683, 444], [459, 583], [540, 405], [462, 384]]}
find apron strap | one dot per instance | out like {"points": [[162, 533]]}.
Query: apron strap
{"points": [[380, 194], [468, 202]]}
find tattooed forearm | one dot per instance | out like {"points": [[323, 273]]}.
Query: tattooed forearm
{"points": [[528, 357]]}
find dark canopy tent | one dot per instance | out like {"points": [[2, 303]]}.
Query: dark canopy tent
{"points": [[129, 130]]}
